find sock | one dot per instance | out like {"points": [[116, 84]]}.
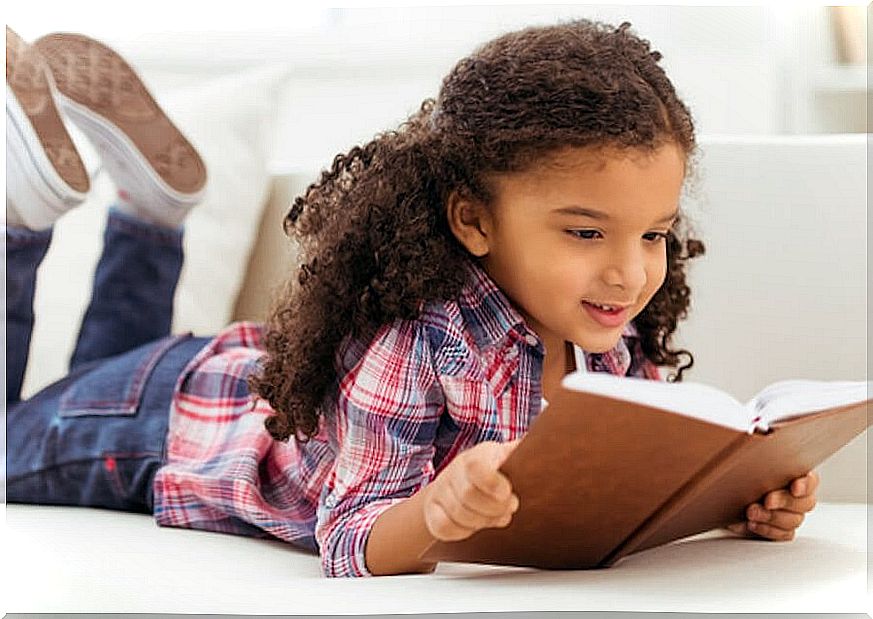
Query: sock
{"points": [[13, 217], [166, 215]]}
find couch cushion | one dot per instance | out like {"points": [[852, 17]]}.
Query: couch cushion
{"points": [[83, 560]]}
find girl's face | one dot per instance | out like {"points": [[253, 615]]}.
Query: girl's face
{"points": [[581, 228]]}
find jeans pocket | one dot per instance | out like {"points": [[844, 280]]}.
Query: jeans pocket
{"points": [[114, 387]]}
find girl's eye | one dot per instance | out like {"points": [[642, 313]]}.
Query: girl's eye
{"points": [[581, 234], [585, 234], [659, 236]]}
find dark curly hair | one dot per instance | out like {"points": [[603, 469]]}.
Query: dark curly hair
{"points": [[374, 240]]}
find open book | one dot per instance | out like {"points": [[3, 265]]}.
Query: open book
{"points": [[615, 465]]}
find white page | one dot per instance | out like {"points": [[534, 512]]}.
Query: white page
{"points": [[581, 361], [780, 400], [686, 398], [791, 398]]}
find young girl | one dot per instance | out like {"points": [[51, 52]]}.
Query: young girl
{"points": [[523, 224]]}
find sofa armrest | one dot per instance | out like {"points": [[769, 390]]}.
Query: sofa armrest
{"points": [[273, 256]]}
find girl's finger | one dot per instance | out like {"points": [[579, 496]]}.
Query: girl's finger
{"points": [[485, 476], [739, 528], [781, 499], [778, 518], [441, 524], [770, 531], [806, 485], [501, 454], [474, 505], [468, 488]]}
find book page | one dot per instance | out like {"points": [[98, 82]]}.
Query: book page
{"points": [[691, 399], [793, 398]]}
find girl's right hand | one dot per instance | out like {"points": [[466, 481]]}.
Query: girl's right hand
{"points": [[471, 494]]}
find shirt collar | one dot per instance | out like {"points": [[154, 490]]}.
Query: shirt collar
{"points": [[616, 361], [487, 311], [491, 318]]}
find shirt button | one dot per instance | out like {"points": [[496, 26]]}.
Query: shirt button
{"points": [[531, 339]]}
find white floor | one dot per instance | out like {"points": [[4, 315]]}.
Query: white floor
{"points": [[79, 560]]}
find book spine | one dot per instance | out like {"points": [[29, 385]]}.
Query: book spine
{"points": [[759, 424], [677, 501]]}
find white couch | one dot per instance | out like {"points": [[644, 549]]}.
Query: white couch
{"points": [[781, 293]]}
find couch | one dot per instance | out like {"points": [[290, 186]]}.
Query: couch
{"points": [[781, 293]]}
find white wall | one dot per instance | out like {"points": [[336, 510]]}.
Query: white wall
{"points": [[353, 72], [781, 292]]}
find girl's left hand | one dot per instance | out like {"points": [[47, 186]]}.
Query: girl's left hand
{"points": [[781, 512]]}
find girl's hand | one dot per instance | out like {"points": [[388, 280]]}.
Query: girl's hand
{"points": [[471, 494], [781, 512]]}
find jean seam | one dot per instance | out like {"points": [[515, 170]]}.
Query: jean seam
{"points": [[135, 391]]}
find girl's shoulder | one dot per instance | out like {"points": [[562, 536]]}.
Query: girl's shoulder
{"points": [[475, 324], [407, 349], [451, 334]]}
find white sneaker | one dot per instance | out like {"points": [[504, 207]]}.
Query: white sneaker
{"points": [[154, 167], [45, 176]]}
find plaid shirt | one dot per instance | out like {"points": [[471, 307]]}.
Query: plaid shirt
{"points": [[403, 406]]}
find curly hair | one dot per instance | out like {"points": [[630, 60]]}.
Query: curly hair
{"points": [[374, 240]]}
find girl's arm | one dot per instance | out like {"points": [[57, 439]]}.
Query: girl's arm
{"points": [[383, 504], [469, 495], [386, 418], [398, 536]]}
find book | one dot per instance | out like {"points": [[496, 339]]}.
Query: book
{"points": [[616, 465]]}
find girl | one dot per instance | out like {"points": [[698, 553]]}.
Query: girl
{"points": [[523, 224]]}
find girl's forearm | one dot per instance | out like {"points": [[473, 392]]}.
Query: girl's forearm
{"points": [[398, 536]]}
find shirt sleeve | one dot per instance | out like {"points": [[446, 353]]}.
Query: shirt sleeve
{"points": [[387, 412]]}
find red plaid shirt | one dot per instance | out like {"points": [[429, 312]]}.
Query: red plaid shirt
{"points": [[403, 405]]}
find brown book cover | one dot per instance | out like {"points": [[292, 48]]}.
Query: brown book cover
{"points": [[599, 478]]}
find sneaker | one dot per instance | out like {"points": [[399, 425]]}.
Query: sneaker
{"points": [[153, 165], [45, 176]]}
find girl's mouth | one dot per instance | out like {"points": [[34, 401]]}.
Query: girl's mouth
{"points": [[606, 318]]}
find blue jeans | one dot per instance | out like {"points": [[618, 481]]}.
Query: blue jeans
{"points": [[97, 436]]}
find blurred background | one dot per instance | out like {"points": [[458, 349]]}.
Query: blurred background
{"points": [[774, 68]]}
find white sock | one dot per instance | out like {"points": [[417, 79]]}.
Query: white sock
{"points": [[13, 218], [167, 215]]}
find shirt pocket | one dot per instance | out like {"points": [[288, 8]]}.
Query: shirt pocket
{"points": [[114, 386]]}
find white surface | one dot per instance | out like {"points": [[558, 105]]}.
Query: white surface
{"points": [[88, 560]]}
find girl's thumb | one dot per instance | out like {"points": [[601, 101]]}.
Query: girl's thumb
{"points": [[507, 448]]}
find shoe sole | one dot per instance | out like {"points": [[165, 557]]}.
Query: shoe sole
{"points": [[36, 120], [105, 96]]}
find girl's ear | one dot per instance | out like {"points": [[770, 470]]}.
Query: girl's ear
{"points": [[470, 222]]}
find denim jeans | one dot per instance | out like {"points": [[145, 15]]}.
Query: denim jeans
{"points": [[97, 436]]}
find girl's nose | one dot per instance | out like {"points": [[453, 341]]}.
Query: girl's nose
{"points": [[628, 273]]}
